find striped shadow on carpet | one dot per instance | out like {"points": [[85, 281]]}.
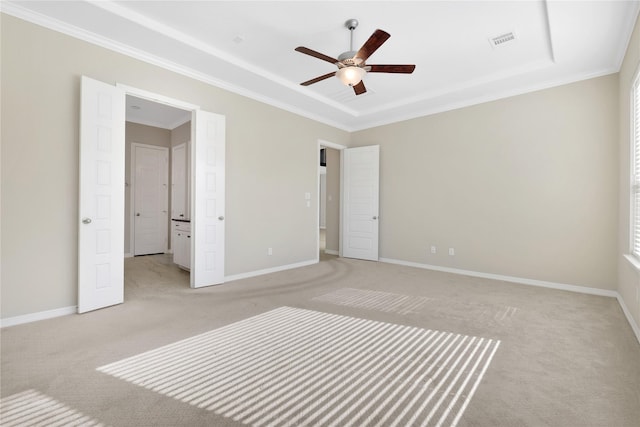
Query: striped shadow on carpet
{"points": [[32, 408], [291, 366], [374, 300], [387, 302]]}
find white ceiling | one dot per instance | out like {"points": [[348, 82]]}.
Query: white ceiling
{"points": [[248, 47], [145, 112]]}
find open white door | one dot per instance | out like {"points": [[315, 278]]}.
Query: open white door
{"points": [[360, 180], [101, 209], [207, 219]]}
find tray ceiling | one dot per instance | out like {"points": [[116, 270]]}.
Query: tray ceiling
{"points": [[248, 47]]}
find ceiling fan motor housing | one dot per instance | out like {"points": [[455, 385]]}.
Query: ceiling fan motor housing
{"points": [[349, 58]]}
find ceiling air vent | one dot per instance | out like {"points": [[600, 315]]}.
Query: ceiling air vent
{"points": [[502, 39]]}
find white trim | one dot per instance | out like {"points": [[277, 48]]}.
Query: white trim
{"points": [[37, 18], [128, 255], [34, 317], [331, 252], [533, 282], [413, 112], [202, 46], [328, 144], [635, 262], [519, 280], [156, 97], [49, 314], [98, 40], [268, 270], [627, 313]]}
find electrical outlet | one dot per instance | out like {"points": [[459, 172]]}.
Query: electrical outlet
{"points": [[270, 251], [452, 251], [434, 250]]}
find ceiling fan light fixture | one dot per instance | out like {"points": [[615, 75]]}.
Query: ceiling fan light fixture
{"points": [[351, 76]]}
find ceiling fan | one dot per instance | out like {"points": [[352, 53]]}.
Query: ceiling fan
{"points": [[352, 65]]}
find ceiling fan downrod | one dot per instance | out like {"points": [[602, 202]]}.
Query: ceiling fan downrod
{"points": [[351, 24], [346, 58]]}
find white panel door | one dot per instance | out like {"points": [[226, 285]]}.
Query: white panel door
{"points": [[207, 219], [360, 202], [150, 199], [101, 198]]}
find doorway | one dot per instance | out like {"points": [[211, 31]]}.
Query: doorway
{"points": [[101, 243], [153, 131], [329, 172]]}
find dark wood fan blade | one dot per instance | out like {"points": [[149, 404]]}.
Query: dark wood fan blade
{"points": [[359, 89], [318, 79], [406, 69], [375, 41], [315, 54]]}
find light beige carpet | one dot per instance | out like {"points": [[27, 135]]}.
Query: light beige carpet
{"points": [[340, 343]]}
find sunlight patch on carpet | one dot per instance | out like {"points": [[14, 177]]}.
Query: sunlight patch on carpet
{"points": [[291, 366], [487, 314], [375, 300], [32, 408]]}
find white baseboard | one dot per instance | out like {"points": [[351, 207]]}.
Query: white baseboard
{"points": [[49, 314], [627, 313], [531, 282], [519, 280], [269, 270], [34, 317], [128, 255], [331, 252]]}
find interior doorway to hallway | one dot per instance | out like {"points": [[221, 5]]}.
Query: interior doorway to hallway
{"points": [[329, 155], [153, 126]]}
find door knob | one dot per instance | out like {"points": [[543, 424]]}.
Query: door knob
{"points": [[375, 217], [221, 218], [138, 214], [86, 220]]}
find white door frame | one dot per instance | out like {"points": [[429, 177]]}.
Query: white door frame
{"points": [[219, 131], [323, 143], [161, 99], [132, 185]]}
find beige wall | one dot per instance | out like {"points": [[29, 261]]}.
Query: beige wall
{"points": [[524, 187], [333, 205], [629, 276], [181, 134], [270, 164], [140, 134]]}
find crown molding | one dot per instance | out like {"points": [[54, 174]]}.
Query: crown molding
{"points": [[353, 121], [20, 12]]}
